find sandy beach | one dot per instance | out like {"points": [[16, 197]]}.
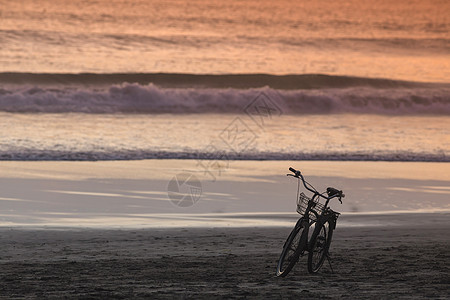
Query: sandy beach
{"points": [[409, 261], [109, 230], [144, 147]]}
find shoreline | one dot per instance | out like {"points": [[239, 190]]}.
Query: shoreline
{"points": [[249, 193]]}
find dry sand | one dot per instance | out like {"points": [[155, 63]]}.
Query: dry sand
{"points": [[55, 241], [410, 261]]}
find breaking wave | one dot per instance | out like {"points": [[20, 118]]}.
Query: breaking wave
{"points": [[351, 96]]}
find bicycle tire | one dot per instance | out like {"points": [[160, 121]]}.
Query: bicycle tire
{"points": [[319, 245], [294, 246]]}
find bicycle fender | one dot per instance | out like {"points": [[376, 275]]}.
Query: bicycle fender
{"points": [[299, 222], [333, 222]]}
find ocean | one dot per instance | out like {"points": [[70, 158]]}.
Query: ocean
{"points": [[225, 80]]}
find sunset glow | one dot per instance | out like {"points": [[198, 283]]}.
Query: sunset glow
{"points": [[401, 40]]}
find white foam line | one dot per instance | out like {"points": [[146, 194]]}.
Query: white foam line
{"points": [[102, 194], [438, 187], [14, 199], [148, 192], [413, 190], [216, 194]]}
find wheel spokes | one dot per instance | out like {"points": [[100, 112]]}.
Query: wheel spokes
{"points": [[318, 249], [291, 252]]}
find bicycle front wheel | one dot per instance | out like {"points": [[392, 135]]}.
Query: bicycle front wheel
{"points": [[319, 244], [294, 246]]}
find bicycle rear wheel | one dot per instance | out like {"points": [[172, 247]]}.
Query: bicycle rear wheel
{"points": [[294, 246], [320, 243]]}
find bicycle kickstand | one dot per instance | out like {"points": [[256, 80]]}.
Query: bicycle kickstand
{"points": [[329, 262]]}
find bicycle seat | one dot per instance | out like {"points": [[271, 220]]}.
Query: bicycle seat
{"points": [[333, 192]]}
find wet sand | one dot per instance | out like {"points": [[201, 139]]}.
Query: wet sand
{"points": [[409, 260], [134, 194]]}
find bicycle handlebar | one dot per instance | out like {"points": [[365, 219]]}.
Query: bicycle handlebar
{"points": [[332, 192], [296, 172]]}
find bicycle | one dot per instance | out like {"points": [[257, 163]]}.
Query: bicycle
{"points": [[313, 215]]}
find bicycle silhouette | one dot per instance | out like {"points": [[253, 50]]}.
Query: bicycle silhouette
{"points": [[317, 218]]}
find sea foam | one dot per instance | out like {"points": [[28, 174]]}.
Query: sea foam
{"points": [[351, 96]]}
